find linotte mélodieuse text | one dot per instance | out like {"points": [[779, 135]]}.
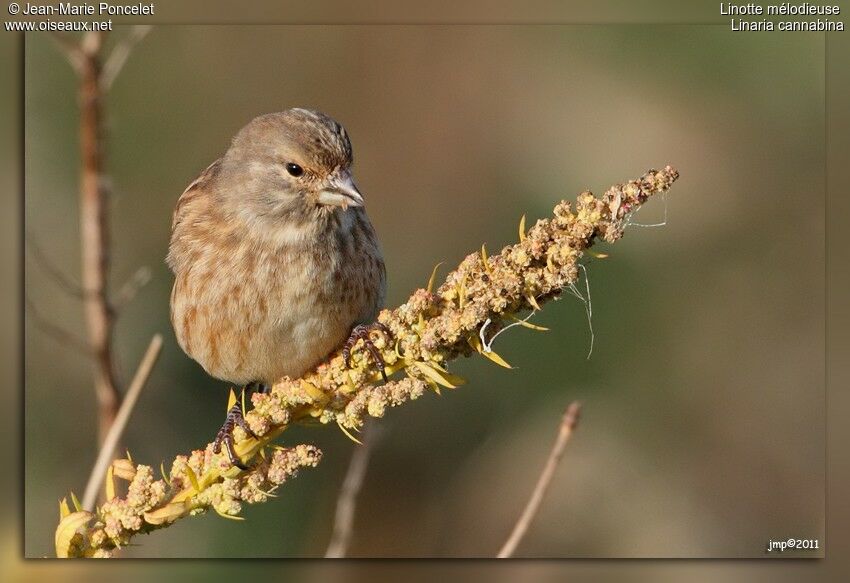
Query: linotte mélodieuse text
{"points": [[803, 10], [99, 9]]}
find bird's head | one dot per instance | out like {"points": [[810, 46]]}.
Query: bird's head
{"points": [[293, 163]]}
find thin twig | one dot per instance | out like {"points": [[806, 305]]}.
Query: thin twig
{"points": [[60, 334], [126, 293], [118, 56], [131, 287], [70, 50], [107, 450], [67, 285], [347, 501], [568, 424]]}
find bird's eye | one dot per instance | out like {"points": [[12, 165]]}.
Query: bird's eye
{"points": [[294, 169]]}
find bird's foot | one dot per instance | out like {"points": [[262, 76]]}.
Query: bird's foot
{"points": [[362, 332], [225, 435]]}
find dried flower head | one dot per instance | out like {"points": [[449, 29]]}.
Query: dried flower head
{"points": [[482, 296]]}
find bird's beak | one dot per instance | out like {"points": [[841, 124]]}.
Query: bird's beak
{"points": [[340, 190]]}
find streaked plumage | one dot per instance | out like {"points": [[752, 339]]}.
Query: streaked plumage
{"points": [[273, 270]]}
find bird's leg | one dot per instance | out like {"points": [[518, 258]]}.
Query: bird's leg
{"points": [[361, 332], [225, 434]]}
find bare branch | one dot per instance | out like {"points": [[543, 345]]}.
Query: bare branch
{"points": [[125, 295], [107, 450], [119, 55], [347, 501], [565, 431]]}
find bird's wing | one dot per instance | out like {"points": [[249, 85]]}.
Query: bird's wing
{"points": [[193, 192]]}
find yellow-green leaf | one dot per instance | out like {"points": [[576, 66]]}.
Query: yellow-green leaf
{"points": [[489, 354], [231, 400], [437, 366], [228, 516], [527, 324], [193, 479], [347, 434], [475, 342], [168, 513], [438, 375], [522, 229], [533, 301], [164, 474], [64, 509], [485, 260], [110, 483], [597, 254], [66, 531], [433, 277], [76, 502], [314, 392]]}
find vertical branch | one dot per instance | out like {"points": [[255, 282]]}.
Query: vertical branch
{"points": [[95, 80], [94, 233]]}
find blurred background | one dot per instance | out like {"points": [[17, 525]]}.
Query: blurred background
{"points": [[703, 425]]}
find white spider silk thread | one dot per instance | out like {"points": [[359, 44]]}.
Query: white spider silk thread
{"points": [[588, 305], [488, 345], [663, 223]]}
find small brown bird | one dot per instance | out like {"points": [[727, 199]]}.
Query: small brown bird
{"points": [[276, 262]]}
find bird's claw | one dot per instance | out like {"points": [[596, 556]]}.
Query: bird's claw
{"points": [[225, 435], [361, 332]]}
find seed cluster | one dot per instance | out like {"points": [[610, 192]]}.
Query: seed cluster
{"points": [[428, 331]]}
